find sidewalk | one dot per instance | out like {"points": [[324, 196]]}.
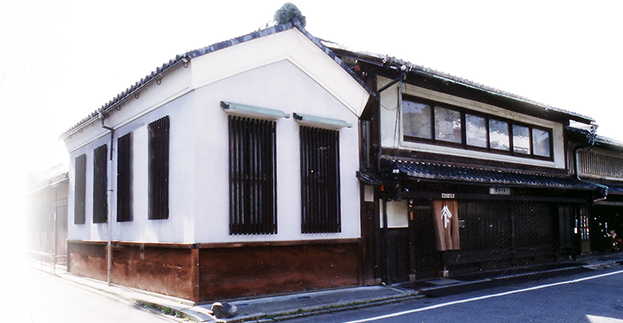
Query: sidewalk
{"points": [[282, 307]]}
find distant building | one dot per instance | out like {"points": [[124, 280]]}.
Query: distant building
{"points": [[46, 216], [598, 160]]}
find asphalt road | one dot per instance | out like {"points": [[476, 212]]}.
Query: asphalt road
{"points": [[593, 297], [29, 295]]}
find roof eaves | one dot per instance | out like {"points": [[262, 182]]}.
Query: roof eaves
{"points": [[396, 63], [129, 92], [476, 175], [186, 57], [598, 139]]}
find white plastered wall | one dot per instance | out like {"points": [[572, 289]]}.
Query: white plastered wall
{"points": [[392, 136], [284, 71], [179, 226], [282, 86]]}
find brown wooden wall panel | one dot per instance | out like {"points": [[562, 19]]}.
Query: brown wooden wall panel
{"points": [[248, 271], [156, 269], [87, 260], [161, 270], [222, 272]]}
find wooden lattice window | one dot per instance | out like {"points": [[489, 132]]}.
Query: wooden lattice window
{"points": [[80, 177], [124, 178], [158, 169], [100, 185], [252, 206], [320, 180]]}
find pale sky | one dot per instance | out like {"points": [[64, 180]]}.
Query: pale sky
{"points": [[61, 60]]}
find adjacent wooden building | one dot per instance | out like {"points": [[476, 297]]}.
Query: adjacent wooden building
{"points": [[461, 178]]}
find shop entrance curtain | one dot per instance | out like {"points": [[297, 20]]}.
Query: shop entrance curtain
{"points": [[446, 224]]}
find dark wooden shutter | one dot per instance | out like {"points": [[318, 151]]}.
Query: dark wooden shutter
{"points": [[100, 185], [320, 180], [80, 175], [159, 169], [252, 176], [124, 178]]}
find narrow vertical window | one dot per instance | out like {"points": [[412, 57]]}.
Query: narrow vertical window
{"points": [[448, 125], [320, 180], [521, 139], [498, 135], [476, 130], [124, 178], [541, 142], [100, 185], [252, 206], [80, 177], [158, 169], [416, 119]]}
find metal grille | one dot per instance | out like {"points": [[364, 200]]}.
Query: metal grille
{"points": [[159, 169], [252, 176], [100, 185], [80, 169], [320, 180], [124, 178]]}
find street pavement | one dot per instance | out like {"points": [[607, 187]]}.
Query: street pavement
{"points": [[591, 296], [262, 309], [29, 294]]}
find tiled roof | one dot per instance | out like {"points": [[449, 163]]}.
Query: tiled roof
{"points": [[598, 139], [618, 190], [50, 181], [452, 173], [186, 57], [408, 67]]}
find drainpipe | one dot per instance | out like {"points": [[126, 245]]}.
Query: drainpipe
{"points": [[577, 174], [102, 117]]}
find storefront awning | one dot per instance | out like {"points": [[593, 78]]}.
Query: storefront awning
{"points": [[616, 190], [477, 175]]}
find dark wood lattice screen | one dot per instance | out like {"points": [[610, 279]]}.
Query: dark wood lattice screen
{"points": [[252, 176]]}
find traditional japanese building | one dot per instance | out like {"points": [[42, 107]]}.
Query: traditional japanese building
{"points": [[598, 160], [458, 177], [229, 171]]}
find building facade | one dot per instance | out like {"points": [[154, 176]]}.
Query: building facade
{"points": [[461, 178], [230, 171], [598, 160], [46, 217]]}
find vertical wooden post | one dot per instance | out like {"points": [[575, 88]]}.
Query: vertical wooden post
{"points": [[195, 273]]}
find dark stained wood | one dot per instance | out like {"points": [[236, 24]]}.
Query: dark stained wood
{"points": [[235, 272], [276, 243], [368, 215], [161, 270], [231, 270], [195, 274], [87, 259]]}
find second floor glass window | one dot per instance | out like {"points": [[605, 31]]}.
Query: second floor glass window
{"points": [[437, 123]]}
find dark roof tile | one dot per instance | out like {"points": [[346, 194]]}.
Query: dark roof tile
{"points": [[453, 173]]}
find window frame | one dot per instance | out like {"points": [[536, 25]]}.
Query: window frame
{"points": [[320, 180], [80, 176], [158, 133], [463, 144], [100, 184], [252, 181], [124, 178]]}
